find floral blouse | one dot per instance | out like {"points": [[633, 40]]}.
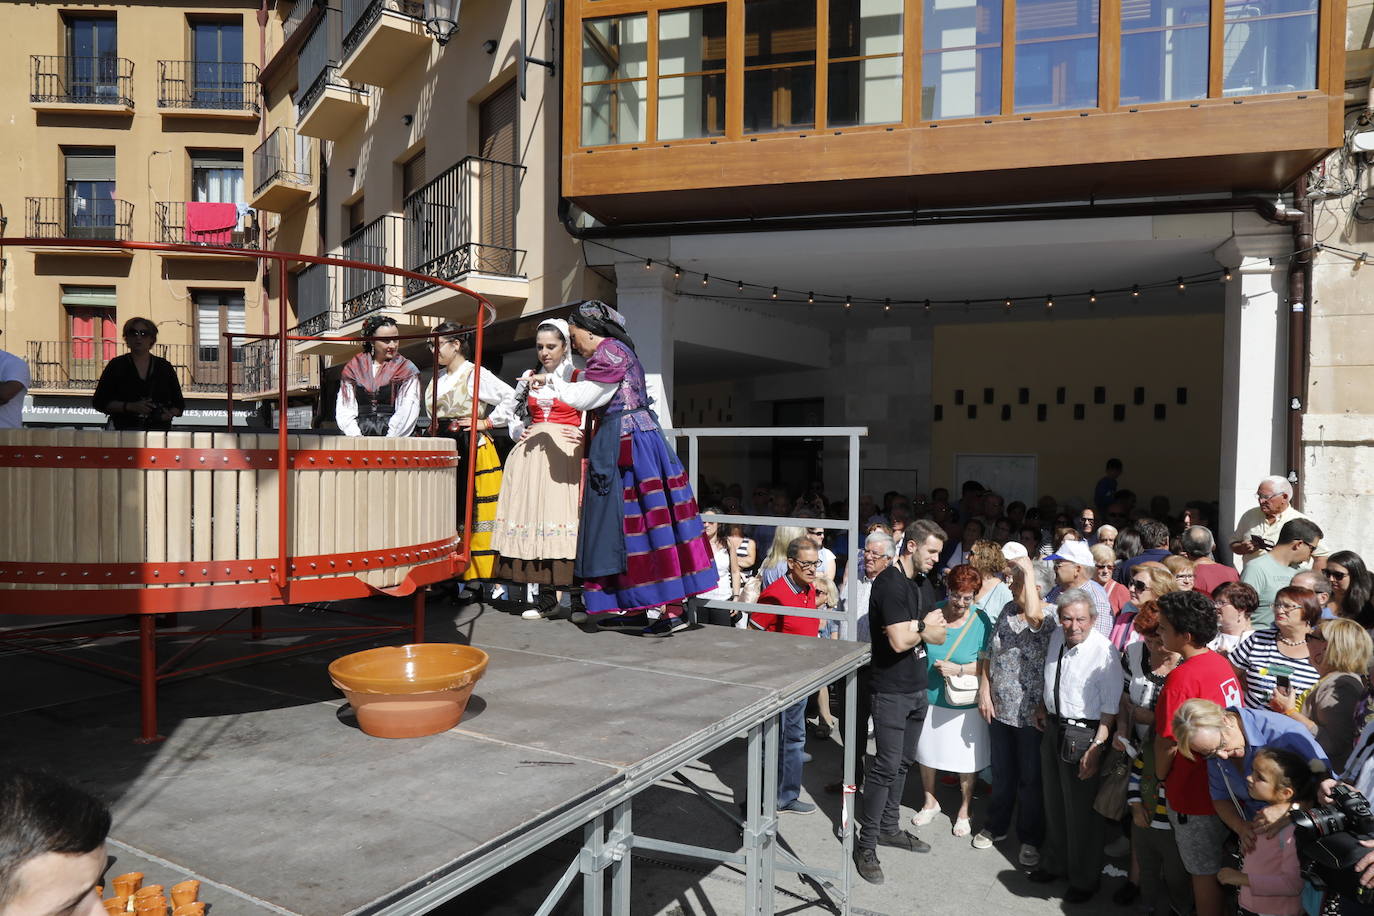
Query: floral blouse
{"points": [[1016, 666]]}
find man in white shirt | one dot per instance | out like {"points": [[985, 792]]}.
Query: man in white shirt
{"points": [[1083, 682], [1258, 529], [14, 381]]}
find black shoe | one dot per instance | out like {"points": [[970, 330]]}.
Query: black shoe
{"points": [[820, 730], [903, 839], [578, 617], [1126, 893], [631, 622], [1041, 876], [665, 626], [867, 865], [1078, 895]]}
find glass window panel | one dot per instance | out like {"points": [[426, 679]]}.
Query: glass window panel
{"points": [[865, 92], [1056, 54], [691, 41], [615, 50], [1164, 50], [691, 106], [862, 86], [961, 84], [780, 98], [961, 71], [1269, 46], [779, 32]]}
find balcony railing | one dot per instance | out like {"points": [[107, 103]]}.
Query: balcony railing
{"points": [[367, 291], [464, 222], [82, 80], [294, 18], [361, 15], [209, 224], [214, 85], [284, 156], [77, 364], [80, 218], [317, 310], [258, 375]]}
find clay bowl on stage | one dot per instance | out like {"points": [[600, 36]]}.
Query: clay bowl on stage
{"points": [[409, 691]]}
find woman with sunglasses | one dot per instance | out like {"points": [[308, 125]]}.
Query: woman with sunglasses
{"points": [[1352, 589], [1104, 564], [1330, 709], [138, 389], [1149, 582], [1277, 659]]}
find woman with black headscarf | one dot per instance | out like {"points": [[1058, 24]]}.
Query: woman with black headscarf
{"points": [[379, 394], [640, 543]]}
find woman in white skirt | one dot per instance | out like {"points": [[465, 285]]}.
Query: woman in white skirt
{"points": [[955, 737], [536, 514]]}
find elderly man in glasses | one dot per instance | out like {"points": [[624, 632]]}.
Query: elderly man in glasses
{"points": [[1074, 568], [1298, 542], [1259, 527]]}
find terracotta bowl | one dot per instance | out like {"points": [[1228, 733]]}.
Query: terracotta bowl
{"points": [[409, 691]]}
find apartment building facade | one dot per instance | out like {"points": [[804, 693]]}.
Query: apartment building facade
{"points": [[130, 121]]}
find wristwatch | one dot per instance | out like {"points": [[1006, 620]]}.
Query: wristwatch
{"points": [[921, 626]]}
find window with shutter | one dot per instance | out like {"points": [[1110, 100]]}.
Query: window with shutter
{"points": [[218, 311], [499, 138]]}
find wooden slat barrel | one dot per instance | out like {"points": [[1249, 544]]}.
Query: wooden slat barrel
{"points": [[126, 511]]}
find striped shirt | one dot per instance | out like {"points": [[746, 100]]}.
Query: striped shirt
{"points": [[1260, 660]]}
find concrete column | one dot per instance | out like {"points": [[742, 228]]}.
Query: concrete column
{"points": [[648, 306], [1254, 408]]}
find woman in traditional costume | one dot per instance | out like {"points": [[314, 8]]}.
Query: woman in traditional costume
{"points": [[453, 378], [640, 543], [536, 516], [379, 394]]}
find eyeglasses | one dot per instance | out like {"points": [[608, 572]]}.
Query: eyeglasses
{"points": [[874, 555], [1265, 498], [1138, 586], [1287, 606], [1184, 575], [1335, 576], [961, 599], [1106, 565], [140, 332], [808, 564]]}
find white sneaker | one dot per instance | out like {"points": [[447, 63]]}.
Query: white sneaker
{"points": [[531, 614], [982, 840], [1030, 856]]}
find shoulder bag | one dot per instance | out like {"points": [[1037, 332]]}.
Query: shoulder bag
{"points": [[961, 689]]}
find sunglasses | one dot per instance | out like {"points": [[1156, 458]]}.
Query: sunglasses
{"points": [[1138, 586], [818, 532], [1106, 565], [1335, 576]]}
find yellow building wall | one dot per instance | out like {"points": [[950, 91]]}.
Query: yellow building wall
{"points": [[1177, 457], [152, 163]]}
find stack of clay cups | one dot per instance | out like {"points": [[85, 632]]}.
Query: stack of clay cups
{"points": [[132, 897]]}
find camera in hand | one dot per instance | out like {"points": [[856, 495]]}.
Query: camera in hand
{"points": [[1329, 842]]}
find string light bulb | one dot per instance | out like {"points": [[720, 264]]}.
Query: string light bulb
{"points": [[648, 263], [677, 273], [1006, 303], [1092, 295], [927, 306], [848, 301], [1181, 285], [887, 305], [741, 286], [810, 298], [1135, 292], [775, 292], [1226, 276], [1049, 301]]}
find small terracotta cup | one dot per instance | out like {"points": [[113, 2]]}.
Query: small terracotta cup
{"points": [[151, 890], [116, 905], [126, 884], [151, 906], [190, 909], [185, 892]]}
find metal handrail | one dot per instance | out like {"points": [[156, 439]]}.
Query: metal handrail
{"points": [[80, 218], [463, 220], [172, 226], [283, 156], [81, 80], [359, 16], [216, 85]]}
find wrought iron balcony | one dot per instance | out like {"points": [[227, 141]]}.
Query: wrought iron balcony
{"points": [[79, 218], [464, 222], [63, 80], [283, 157], [359, 16], [259, 370], [317, 307], [209, 224], [366, 291], [77, 364], [219, 86]]}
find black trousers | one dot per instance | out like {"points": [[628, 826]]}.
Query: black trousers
{"points": [[897, 721]]}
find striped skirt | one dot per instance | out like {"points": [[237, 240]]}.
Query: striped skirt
{"points": [[660, 547], [486, 487]]}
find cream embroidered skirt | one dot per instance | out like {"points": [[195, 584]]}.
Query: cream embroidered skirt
{"points": [[536, 515]]}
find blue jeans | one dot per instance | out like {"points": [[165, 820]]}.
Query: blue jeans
{"points": [[792, 742], [1016, 783]]}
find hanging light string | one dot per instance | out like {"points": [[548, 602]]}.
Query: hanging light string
{"points": [[776, 293]]}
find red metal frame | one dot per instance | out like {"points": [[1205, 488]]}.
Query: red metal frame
{"points": [[281, 588]]}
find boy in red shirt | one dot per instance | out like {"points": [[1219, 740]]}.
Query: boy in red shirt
{"points": [[1187, 623], [794, 589]]}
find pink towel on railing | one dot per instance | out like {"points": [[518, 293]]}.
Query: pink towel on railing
{"points": [[211, 224]]}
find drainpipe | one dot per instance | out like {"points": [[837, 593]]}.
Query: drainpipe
{"points": [[1299, 334]]}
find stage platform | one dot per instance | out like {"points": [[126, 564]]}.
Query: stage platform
{"points": [[267, 792]]}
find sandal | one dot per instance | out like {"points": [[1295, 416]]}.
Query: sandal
{"points": [[925, 816], [962, 827]]}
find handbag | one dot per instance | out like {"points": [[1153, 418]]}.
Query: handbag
{"points": [[961, 689], [1074, 740], [1111, 793]]}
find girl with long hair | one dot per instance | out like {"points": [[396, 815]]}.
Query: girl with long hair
{"points": [[379, 392]]}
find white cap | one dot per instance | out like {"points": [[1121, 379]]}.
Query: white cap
{"points": [[1074, 552], [1014, 550]]}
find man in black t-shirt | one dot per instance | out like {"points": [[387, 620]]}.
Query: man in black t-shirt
{"points": [[902, 618]]}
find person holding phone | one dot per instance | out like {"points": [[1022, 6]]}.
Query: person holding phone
{"points": [[1278, 660], [1260, 527]]}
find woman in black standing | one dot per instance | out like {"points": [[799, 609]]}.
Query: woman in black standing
{"points": [[137, 389]]}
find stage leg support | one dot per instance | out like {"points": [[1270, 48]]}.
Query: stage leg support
{"points": [[419, 623], [621, 840], [255, 617], [147, 678]]}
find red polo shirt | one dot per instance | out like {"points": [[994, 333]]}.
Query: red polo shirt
{"points": [[786, 593]]}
